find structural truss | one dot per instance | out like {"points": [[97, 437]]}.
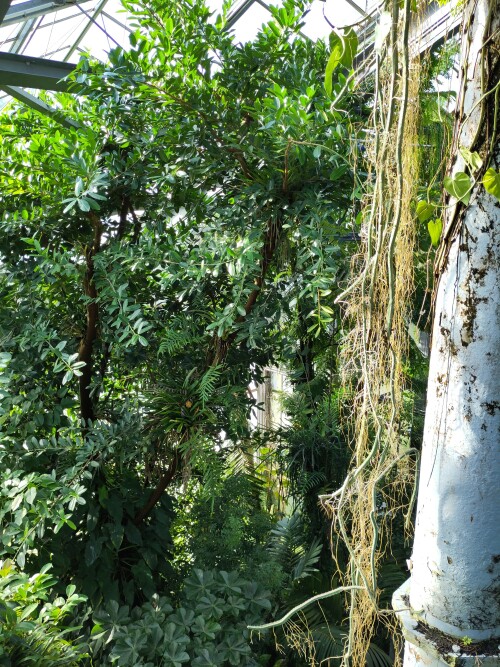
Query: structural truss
{"points": [[42, 40]]}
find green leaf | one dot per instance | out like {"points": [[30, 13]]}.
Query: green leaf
{"points": [[459, 186], [30, 495], [435, 228], [338, 172], [116, 535], [67, 376], [92, 551], [70, 205], [337, 50], [425, 211], [491, 182], [133, 534], [83, 205], [27, 611], [79, 186], [343, 50], [350, 47], [473, 159]]}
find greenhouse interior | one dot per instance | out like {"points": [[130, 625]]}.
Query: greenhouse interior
{"points": [[250, 333]]}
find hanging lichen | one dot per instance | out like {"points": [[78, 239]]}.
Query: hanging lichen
{"points": [[377, 303]]}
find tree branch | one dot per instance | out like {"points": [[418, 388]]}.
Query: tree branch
{"points": [[86, 344], [273, 232], [157, 493]]}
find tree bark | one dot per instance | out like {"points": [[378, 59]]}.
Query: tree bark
{"points": [[90, 335], [454, 584]]}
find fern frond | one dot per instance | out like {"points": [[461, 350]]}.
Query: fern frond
{"points": [[180, 335], [173, 341], [208, 383], [308, 481]]}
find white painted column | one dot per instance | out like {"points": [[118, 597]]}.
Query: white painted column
{"points": [[455, 580]]}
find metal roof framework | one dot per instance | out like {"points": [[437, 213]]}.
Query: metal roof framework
{"points": [[41, 40]]}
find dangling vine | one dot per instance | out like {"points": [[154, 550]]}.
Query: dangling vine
{"points": [[376, 304], [374, 352]]}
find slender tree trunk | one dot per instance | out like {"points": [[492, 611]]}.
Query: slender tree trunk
{"points": [[454, 584], [87, 342]]}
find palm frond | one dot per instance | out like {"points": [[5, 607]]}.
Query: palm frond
{"points": [[306, 563]]}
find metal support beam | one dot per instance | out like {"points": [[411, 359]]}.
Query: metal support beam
{"points": [[22, 36], [81, 36], [33, 8], [38, 105], [357, 7], [119, 23], [29, 72], [238, 12], [4, 8]]}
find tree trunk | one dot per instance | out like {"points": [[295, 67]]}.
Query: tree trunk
{"points": [[453, 592]]}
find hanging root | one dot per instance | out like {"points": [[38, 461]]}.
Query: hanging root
{"points": [[377, 303]]}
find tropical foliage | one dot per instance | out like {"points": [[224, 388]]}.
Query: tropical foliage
{"points": [[191, 228]]}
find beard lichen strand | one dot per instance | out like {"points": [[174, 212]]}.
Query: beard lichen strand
{"points": [[378, 305]]}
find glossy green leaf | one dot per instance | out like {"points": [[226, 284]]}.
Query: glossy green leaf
{"points": [[473, 160], [459, 186], [334, 60], [343, 49], [491, 182], [425, 211], [350, 47], [435, 228], [116, 535], [83, 205]]}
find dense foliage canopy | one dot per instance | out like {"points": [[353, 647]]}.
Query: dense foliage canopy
{"points": [[190, 230], [186, 234]]}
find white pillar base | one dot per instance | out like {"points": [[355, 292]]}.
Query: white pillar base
{"points": [[423, 650]]}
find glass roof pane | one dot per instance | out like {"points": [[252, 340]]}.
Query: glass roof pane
{"points": [[247, 27], [101, 38], [55, 36], [338, 13], [7, 35], [62, 15], [97, 26]]}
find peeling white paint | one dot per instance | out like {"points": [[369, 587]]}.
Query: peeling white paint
{"points": [[455, 579], [456, 556]]}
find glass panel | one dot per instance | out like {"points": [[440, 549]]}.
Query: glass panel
{"points": [[54, 36], [338, 12], [7, 35], [102, 38], [247, 27], [115, 9], [62, 15]]}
